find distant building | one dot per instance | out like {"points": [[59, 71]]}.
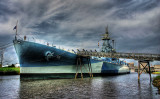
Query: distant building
{"points": [[131, 66], [17, 65], [157, 68], [152, 69], [5, 66], [12, 65], [136, 68]]}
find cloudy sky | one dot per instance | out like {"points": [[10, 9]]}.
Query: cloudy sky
{"points": [[72, 24]]}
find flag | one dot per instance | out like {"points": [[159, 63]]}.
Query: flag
{"points": [[15, 27]]}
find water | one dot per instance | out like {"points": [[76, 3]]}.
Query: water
{"points": [[112, 87]]}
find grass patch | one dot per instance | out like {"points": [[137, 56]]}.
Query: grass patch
{"points": [[9, 70], [156, 72]]}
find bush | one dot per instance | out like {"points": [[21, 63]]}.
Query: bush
{"points": [[156, 82], [12, 65]]}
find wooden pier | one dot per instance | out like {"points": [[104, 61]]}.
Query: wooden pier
{"points": [[140, 57]]}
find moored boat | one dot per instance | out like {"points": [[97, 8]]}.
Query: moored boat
{"points": [[38, 61]]}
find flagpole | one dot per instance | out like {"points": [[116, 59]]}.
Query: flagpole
{"points": [[16, 27]]}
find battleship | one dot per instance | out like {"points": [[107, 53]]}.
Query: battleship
{"points": [[41, 61]]}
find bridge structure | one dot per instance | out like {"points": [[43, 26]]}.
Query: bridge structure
{"points": [[140, 57], [135, 56]]}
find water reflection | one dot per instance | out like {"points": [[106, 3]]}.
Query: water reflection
{"points": [[117, 87], [9, 87]]}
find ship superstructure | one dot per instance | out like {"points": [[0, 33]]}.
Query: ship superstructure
{"points": [[106, 47]]}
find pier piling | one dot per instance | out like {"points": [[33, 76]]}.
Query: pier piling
{"points": [[140, 70], [81, 65]]}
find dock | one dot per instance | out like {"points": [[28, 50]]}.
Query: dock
{"points": [[140, 57]]}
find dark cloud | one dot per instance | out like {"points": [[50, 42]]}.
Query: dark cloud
{"points": [[6, 38], [134, 24]]}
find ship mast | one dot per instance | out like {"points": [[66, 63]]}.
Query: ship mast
{"points": [[106, 47], [16, 27]]}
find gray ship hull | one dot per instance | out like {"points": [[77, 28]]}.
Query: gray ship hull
{"points": [[37, 60]]}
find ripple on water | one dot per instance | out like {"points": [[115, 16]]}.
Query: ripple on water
{"points": [[122, 86]]}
